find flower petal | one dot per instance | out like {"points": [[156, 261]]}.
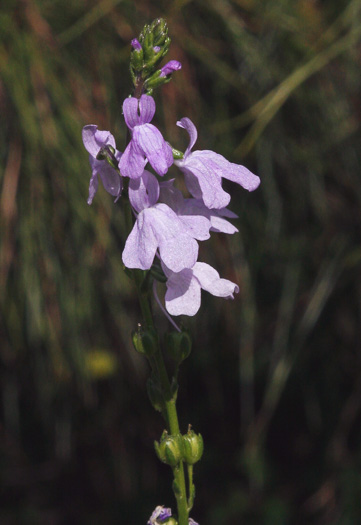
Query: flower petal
{"points": [[179, 252], [136, 44], [146, 109], [170, 195], [160, 227], [216, 217], [159, 514], [93, 187], [188, 125], [177, 248], [210, 281], [132, 162], [208, 185], [141, 245], [149, 139], [130, 110], [144, 191], [109, 176], [183, 295], [94, 139], [220, 224], [169, 68], [242, 176], [111, 180]]}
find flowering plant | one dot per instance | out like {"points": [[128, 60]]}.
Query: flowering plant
{"points": [[164, 229]]}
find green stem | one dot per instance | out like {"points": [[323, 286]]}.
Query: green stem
{"points": [[191, 488], [169, 398]]}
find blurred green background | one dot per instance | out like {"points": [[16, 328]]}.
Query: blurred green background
{"points": [[274, 381]]}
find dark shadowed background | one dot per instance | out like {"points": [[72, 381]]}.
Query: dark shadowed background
{"points": [[274, 381]]}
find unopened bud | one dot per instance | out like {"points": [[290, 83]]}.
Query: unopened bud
{"points": [[170, 449], [179, 345], [177, 154], [136, 44], [159, 29], [145, 341], [192, 447]]}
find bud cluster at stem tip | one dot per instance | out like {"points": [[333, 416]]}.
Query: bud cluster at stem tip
{"points": [[147, 51]]}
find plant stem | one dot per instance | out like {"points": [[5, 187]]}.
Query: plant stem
{"points": [[169, 399]]}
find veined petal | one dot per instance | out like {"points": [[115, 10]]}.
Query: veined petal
{"points": [[216, 217], [188, 125], [210, 281], [198, 224], [130, 110], [177, 248], [220, 224], [132, 162], [179, 252], [149, 139], [146, 109], [93, 187], [94, 139], [141, 245], [242, 176], [111, 180], [208, 178], [183, 295], [170, 195], [109, 176], [144, 191]]}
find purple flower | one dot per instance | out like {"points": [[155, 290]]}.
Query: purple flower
{"points": [[159, 228], [196, 223], [170, 67], [203, 171], [159, 514], [192, 522], [169, 228], [183, 295], [94, 141], [144, 191], [146, 143], [194, 209], [136, 44]]}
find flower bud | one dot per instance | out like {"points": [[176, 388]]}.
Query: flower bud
{"points": [[177, 154], [136, 44], [179, 345], [192, 447], [145, 341], [170, 67], [170, 449], [159, 29]]}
